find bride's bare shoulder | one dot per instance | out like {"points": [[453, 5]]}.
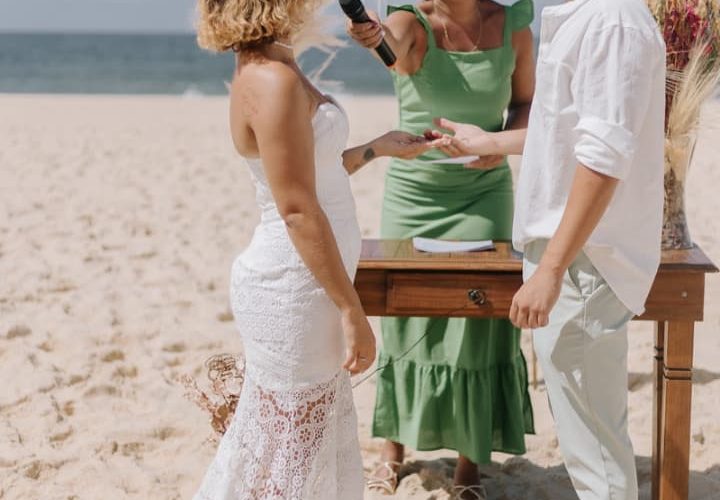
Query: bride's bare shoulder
{"points": [[271, 83]]}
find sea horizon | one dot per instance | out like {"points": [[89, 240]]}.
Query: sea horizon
{"points": [[158, 64]]}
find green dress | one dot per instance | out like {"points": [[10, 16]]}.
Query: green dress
{"points": [[464, 386]]}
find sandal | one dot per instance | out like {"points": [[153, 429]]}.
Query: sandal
{"points": [[477, 491], [385, 485]]}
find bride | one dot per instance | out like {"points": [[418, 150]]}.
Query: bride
{"points": [[304, 331]]}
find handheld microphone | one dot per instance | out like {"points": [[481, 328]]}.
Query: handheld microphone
{"points": [[355, 10]]}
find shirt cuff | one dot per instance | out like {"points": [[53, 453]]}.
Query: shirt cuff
{"points": [[605, 147]]}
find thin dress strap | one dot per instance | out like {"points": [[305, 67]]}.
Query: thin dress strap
{"points": [[422, 19], [508, 28]]}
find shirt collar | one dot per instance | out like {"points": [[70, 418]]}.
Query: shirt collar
{"points": [[554, 16], [565, 9]]}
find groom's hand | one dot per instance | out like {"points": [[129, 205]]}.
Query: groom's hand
{"points": [[466, 140], [533, 303]]}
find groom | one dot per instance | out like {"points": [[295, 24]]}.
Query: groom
{"points": [[588, 219]]}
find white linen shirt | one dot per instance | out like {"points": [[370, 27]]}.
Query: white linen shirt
{"points": [[599, 101]]}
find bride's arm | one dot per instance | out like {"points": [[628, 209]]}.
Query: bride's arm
{"points": [[395, 143], [284, 134]]}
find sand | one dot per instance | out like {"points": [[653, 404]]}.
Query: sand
{"points": [[119, 218]]}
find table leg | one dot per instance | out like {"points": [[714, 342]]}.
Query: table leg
{"points": [[676, 407], [658, 387]]}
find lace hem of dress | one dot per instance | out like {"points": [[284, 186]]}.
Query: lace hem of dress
{"points": [[281, 444]]}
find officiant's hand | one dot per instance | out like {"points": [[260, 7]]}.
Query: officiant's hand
{"points": [[369, 34]]}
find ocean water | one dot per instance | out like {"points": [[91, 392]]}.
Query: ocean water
{"points": [[155, 64]]}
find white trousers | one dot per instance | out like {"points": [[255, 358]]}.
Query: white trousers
{"points": [[583, 355]]}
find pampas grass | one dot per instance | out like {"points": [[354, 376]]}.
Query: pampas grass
{"points": [[691, 30], [690, 88]]}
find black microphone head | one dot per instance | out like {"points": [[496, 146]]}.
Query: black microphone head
{"points": [[354, 9]]}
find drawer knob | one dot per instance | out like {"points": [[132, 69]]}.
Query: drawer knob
{"points": [[477, 297]]}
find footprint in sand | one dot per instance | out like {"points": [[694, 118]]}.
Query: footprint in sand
{"points": [[45, 346], [226, 316], [173, 362], [132, 449], [76, 379], [35, 469], [175, 347], [61, 435], [69, 408], [18, 331], [125, 372], [102, 390], [164, 433], [112, 356]]}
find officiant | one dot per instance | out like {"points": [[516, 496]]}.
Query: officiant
{"points": [[464, 385]]}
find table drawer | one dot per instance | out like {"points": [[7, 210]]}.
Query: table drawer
{"points": [[451, 294]]}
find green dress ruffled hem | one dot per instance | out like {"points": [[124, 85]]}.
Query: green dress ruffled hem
{"points": [[463, 387], [463, 410]]}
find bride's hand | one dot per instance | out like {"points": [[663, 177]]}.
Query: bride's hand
{"points": [[359, 340], [402, 145]]}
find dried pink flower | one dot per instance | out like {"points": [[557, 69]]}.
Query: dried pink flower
{"points": [[226, 373]]}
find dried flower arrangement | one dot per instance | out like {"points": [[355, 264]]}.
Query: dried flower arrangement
{"points": [[691, 29], [226, 373]]}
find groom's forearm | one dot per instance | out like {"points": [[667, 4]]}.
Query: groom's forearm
{"points": [[589, 198], [507, 142], [510, 141]]}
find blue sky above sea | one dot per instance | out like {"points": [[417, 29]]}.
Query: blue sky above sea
{"points": [[146, 47], [125, 16]]}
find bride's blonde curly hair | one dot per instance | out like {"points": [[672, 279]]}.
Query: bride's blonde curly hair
{"points": [[240, 24]]}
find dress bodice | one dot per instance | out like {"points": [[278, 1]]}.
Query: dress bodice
{"points": [[271, 244], [331, 130]]}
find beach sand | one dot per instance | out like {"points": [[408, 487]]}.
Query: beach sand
{"points": [[119, 218]]}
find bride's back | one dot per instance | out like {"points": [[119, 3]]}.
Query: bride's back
{"points": [[256, 83]]}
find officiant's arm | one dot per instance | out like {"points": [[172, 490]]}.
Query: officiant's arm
{"points": [[523, 89], [401, 31]]}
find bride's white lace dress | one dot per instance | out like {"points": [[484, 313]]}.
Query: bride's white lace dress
{"points": [[294, 434]]}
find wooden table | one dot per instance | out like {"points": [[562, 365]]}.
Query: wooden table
{"points": [[396, 280]]}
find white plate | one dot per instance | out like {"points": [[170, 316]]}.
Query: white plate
{"points": [[506, 3], [431, 245], [460, 160]]}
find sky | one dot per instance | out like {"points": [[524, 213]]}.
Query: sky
{"points": [[101, 16], [97, 16]]}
